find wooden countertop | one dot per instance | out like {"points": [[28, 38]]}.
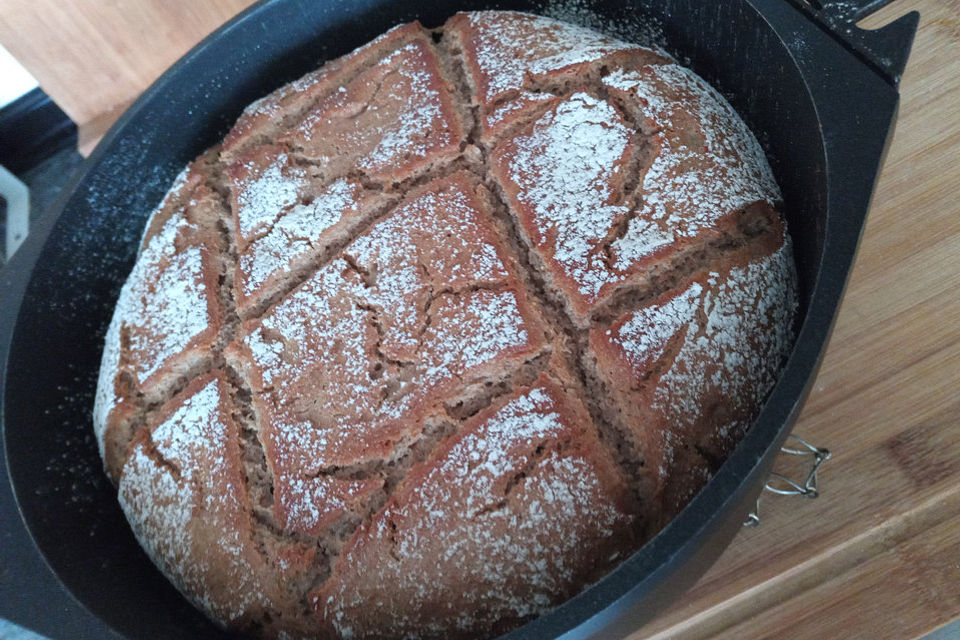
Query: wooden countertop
{"points": [[878, 554]]}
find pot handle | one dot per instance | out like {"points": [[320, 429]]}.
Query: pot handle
{"points": [[782, 485], [885, 49]]}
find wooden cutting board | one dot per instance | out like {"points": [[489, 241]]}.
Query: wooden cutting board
{"points": [[878, 554]]}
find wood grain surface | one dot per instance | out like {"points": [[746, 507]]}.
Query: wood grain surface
{"points": [[94, 57], [878, 554]]}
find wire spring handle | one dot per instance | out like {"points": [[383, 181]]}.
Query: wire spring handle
{"points": [[784, 486]]}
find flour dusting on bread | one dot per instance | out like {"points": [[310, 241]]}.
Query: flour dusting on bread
{"points": [[443, 332]]}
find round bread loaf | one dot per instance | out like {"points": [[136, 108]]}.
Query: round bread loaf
{"points": [[443, 331]]}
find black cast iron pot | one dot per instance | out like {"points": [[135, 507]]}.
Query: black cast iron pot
{"points": [[820, 93]]}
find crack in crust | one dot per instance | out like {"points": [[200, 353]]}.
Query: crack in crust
{"points": [[555, 313], [574, 346], [474, 156], [350, 66], [153, 452], [516, 479], [450, 55], [123, 431], [396, 194], [667, 274]]}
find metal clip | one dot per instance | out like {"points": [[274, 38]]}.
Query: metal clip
{"points": [[784, 486]]}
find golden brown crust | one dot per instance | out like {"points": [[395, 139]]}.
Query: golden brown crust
{"points": [[523, 500], [514, 61], [601, 202], [262, 120], [686, 372], [167, 321], [443, 331], [393, 121], [182, 489], [418, 307], [568, 227]]}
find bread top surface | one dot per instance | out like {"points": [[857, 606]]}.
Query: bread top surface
{"points": [[266, 118], [390, 123], [421, 303], [496, 515], [704, 354], [504, 51], [602, 200], [511, 262], [182, 488]]}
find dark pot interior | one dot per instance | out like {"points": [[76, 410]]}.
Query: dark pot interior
{"points": [[87, 250]]}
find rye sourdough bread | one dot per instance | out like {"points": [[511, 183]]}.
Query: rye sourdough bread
{"points": [[443, 331]]}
